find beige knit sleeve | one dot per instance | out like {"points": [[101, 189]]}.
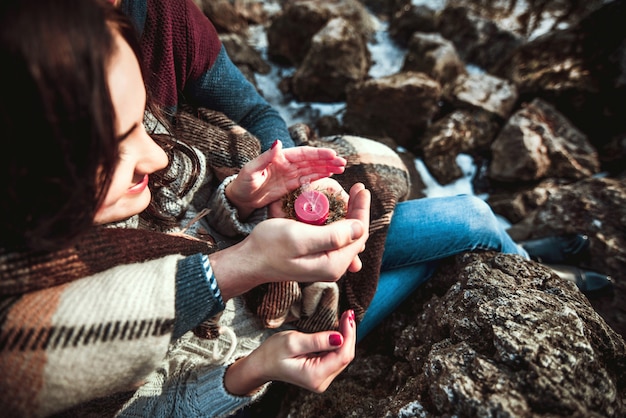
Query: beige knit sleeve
{"points": [[224, 217]]}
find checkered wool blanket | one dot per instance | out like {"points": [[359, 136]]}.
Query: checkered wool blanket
{"points": [[316, 306], [227, 146]]}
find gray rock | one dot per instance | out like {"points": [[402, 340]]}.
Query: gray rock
{"points": [[290, 32], [461, 131], [434, 55], [337, 59], [539, 142], [399, 106], [482, 91], [479, 40], [488, 335]]}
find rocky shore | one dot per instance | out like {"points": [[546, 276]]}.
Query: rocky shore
{"points": [[544, 118]]}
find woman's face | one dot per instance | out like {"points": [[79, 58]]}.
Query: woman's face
{"points": [[140, 156]]}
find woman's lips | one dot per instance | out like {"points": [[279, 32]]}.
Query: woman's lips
{"points": [[139, 187]]}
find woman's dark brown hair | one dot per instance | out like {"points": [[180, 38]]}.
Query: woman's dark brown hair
{"points": [[59, 148]]}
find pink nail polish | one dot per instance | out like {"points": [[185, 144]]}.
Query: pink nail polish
{"points": [[335, 339], [274, 144]]}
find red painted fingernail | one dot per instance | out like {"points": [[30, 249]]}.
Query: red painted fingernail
{"points": [[335, 339], [274, 144]]}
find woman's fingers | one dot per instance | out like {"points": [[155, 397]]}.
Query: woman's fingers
{"points": [[309, 360], [355, 265], [278, 171], [308, 253], [322, 341], [359, 208], [330, 352], [312, 174], [347, 328], [261, 162], [313, 154], [332, 237], [359, 203], [310, 164], [302, 252], [307, 161]]}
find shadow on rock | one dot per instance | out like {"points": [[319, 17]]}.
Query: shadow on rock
{"points": [[489, 335]]}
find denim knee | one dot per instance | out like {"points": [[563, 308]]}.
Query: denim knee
{"points": [[479, 216]]}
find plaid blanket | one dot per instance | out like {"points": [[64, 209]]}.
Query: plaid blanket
{"points": [[227, 146], [317, 306], [63, 309]]}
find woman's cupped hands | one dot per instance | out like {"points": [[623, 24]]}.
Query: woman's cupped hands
{"points": [[266, 179], [281, 249], [311, 361]]}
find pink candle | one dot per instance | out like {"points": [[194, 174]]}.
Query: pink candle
{"points": [[312, 207]]}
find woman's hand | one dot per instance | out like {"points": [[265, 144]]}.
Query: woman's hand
{"points": [[311, 361], [278, 171], [284, 249]]}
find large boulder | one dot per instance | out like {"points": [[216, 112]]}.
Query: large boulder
{"points": [[596, 207], [461, 131], [410, 19], [480, 41], [337, 59], [489, 335], [291, 30], [400, 106], [482, 91], [434, 55], [581, 70], [539, 142]]}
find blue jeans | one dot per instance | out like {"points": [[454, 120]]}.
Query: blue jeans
{"points": [[424, 231]]}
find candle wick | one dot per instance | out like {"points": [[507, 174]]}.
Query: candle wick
{"points": [[312, 198]]}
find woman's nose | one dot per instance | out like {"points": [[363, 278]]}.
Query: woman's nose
{"points": [[153, 157]]}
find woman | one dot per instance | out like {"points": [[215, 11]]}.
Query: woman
{"points": [[176, 36], [96, 291]]}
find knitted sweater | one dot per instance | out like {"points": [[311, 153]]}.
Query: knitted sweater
{"points": [[187, 63]]}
